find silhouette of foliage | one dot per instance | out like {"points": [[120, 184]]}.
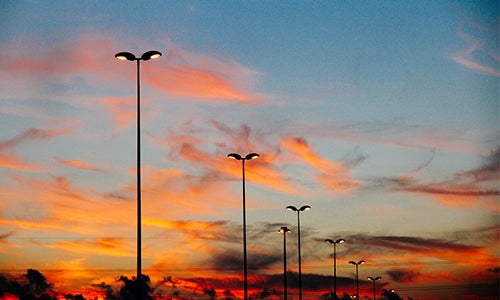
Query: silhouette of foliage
{"points": [[390, 295], [210, 292], [32, 286], [129, 289], [74, 297], [229, 295], [330, 296]]}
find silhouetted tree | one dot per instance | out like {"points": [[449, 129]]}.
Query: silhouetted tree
{"points": [[129, 289], [330, 296], [108, 290], [37, 282], [266, 293], [170, 280], [33, 287], [74, 297], [229, 295], [390, 295], [210, 292]]}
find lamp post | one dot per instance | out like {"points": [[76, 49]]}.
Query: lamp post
{"points": [[374, 279], [357, 280], [131, 57], [284, 230], [339, 241], [249, 156], [298, 210]]}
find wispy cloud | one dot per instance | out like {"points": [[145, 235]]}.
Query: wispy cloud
{"points": [[204, 78], [78, 164], [481, 54], [8, 159], [333, 175], [101, 246], [179, 72], [188, 143], [470, 188], [33, 134]]}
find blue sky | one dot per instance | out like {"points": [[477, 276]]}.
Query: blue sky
{"points": [[383, 116]]}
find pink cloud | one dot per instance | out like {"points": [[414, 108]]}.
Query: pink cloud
{"points": [[200, 77], [12, 161], [476, 46], [333, 175], [79, 165], [179, 72], [123, 111]]}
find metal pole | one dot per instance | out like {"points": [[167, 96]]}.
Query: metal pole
{"points": [[139, 246], [245, 282], [373, 289], [357, 282], [300, 271], [335, 271], [285, 294]]}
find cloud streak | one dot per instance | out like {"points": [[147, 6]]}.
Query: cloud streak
{"points": [[475, 187], [189, 75], [477, 46], [10, 160], [333, 175]]}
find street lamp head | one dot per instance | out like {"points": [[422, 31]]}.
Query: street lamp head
{"points": [[373, 278], [330, 241], [247, 157], [252, 156], [352, 262], [305, 207], [234, 156], [284, 230], [361, 262], [357, 263], [150, 55], [292, 208], [125, 56]]}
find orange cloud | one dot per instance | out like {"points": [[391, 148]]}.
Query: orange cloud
{"points": [[178, 72], [187, 144], [78, 164], [12, 162], [109, 247], [123, 111], [85, 54], [333, 175], [200, 77]]}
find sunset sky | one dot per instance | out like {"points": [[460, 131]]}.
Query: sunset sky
{"points": [[383, 116]]}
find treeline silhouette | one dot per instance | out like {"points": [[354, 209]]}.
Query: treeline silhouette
{"points": [[33, 285]]}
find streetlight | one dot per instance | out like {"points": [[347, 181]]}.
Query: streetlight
{"points": [[131, 57], [249, 156], [330, 241], [374, 279], [357, 280], [284, 230], [298, 210]]}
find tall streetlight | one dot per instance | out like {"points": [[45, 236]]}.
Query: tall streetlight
{"points": [[131, 57], [357, 278], [374, 279], [339, 241], [298, 210], [249, 156], [284, 230]]}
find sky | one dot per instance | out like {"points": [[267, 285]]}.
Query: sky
{"points": [[383, 116]]}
